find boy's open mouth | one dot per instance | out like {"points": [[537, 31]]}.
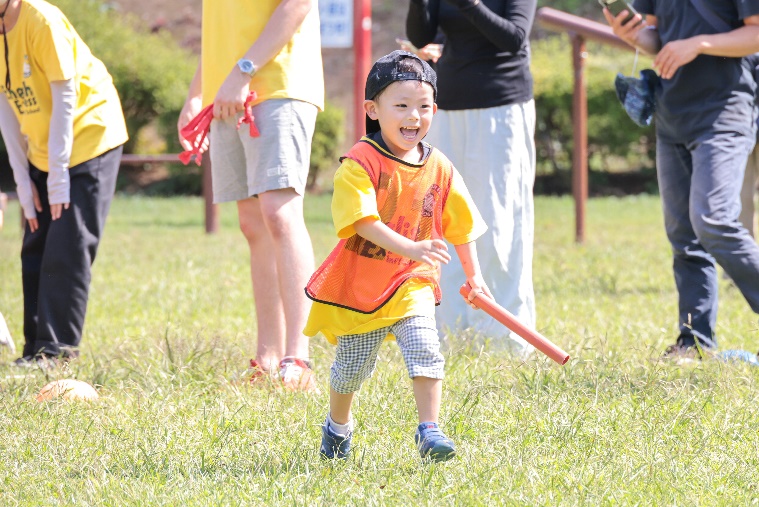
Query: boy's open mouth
{"points": [[409, 132]]}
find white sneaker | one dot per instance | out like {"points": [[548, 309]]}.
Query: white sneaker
{"points": [[296, 375], [5, 336]]}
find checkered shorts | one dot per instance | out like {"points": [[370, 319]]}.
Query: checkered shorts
{"points": [[356, 355]]}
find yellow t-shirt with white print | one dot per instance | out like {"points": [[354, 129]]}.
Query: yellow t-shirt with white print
{"points": [[230, 27], [354, 198], [43, 47]]}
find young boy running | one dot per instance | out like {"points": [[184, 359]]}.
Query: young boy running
{"points": [[395, 198]]}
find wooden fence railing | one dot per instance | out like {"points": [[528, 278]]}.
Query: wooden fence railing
{"points": [[579, 29], [211, 209]]}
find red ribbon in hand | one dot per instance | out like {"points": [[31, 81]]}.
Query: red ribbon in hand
{"points": [[196, 131]]}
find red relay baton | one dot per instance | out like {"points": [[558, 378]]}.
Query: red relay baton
{"points": [[196, 131], [503, 316]]}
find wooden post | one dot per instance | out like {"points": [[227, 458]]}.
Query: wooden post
{"points": [[580, 124], [211, 209]]}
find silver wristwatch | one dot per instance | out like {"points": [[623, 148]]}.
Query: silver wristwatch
{"points": [[246, 66]]}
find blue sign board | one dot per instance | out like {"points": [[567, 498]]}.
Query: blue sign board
{"points": [[336, 23]]}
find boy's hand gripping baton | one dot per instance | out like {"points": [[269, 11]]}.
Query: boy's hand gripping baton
{"points": [[503, 316]]}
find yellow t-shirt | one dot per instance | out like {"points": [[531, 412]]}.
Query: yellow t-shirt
{"points": [[230, 27], [353, 199], [43, 47]]}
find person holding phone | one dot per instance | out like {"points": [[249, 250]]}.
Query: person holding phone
{"points": [[486, 125], [704, 133], [616, 7]]}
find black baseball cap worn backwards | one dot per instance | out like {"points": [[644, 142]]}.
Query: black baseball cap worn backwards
{"points": [[387, 70]]}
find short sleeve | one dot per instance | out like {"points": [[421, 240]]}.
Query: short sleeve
{"points": [[644, 6], [747, 8], [353, 198], [462, 222], [54, 49]]}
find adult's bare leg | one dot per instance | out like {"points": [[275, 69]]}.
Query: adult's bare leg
{"points": [[270, 316], [282, 213]]}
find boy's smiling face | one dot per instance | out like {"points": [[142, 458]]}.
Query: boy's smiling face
{"points": [[404, 110]]}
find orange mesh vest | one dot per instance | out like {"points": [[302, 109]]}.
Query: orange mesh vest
{"points": [[361, 276]]}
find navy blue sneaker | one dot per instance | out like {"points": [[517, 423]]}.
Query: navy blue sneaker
{"points": [[334, 446], [433, 444]]}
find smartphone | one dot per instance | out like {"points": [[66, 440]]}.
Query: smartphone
{"points": [[617, 6]]}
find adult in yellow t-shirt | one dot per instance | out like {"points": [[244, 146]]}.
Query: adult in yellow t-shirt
{"points": [[63, 127], [271, 47]]}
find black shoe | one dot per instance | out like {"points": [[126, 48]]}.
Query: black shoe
{"points": [[688, 347], [681, 354], [24, 362], [41, 361]]}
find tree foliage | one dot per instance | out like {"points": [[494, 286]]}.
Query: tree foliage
{"points": [[613, 139], [150, 71]]}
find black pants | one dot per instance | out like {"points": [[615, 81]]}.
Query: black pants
{"points": [[56, 259]]}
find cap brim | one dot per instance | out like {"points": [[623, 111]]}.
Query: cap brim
{"points": [[372, 126]]}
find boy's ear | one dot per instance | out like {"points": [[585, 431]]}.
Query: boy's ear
{"points": [[370, 107], [434, 107]]}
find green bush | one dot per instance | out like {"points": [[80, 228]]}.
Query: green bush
{"points": [[614, 141], [150, 71], [325, 148]]}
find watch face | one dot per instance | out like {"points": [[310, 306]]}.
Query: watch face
{"points": [[246, 66]]}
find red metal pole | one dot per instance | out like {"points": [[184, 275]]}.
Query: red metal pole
{"points": [[580, 124], [362, 50]]}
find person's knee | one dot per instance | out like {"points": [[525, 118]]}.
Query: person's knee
{"points": [[282, 219], [711, 230], [278, 222], [348, 380], [252, 228]]}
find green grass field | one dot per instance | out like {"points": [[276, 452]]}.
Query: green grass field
{"points": [[170, 327]]}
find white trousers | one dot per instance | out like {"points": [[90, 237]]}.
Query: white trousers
{"points": [[494, 150]]}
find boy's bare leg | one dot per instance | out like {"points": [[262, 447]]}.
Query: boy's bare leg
{"points": [[263, 271], [340, 406], [428, 392], [282, 213]]}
